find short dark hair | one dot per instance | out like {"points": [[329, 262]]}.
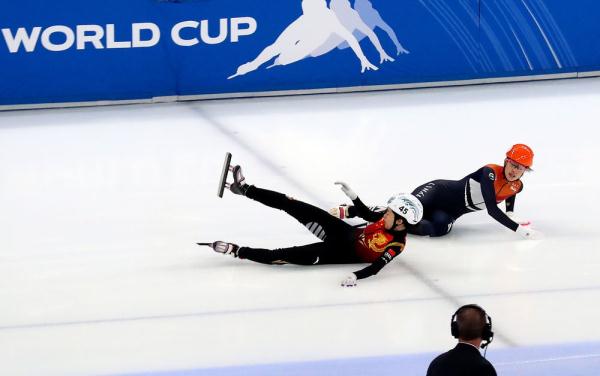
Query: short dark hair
{"points": [[471, 321]]}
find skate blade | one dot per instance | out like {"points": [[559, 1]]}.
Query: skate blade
{"points": [[224, 172]]}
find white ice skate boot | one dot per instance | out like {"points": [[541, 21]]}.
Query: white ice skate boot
{"points": [[239, 186], [223, 247]]}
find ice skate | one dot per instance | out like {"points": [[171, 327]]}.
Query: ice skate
{"points": [[239, 186], [223, 247]]}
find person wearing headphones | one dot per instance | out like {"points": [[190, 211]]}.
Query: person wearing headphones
{"points": [[472, 326]]}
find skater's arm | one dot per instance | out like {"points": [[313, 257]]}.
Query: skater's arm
{"points": [[382, 261], [510, 211], [489, 197], [510, 202], [361, 210], [353, 211]]}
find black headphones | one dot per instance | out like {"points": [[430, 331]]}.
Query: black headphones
{"points": [[486, 333]]}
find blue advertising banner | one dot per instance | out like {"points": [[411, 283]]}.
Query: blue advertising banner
{"points": [[73, 51]]}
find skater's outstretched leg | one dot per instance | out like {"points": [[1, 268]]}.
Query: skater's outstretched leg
{"points": [[310, 254], [318, 221], [303, 212], [438, 223]]}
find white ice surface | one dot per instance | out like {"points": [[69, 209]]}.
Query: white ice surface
{"points": [[101, 208]]}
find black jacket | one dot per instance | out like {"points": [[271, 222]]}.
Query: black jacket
{"points": [[463, 360]]}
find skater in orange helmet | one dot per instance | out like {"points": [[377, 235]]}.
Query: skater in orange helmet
{"points": [[444, 201]]}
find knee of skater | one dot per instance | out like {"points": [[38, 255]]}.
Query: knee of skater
{"points": [[432, 229], [442, 229], [437, 234], [423, 228]]}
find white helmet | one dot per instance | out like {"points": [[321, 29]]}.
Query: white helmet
{"points": [[407, 206]]}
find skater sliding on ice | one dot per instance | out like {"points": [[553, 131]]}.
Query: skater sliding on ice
{"points": [[306, 34], [340, 243], [444, 201]]}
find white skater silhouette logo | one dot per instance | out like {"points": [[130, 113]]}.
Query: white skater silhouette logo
{"points": [[352, 22], [321, 29], [372, 19]]}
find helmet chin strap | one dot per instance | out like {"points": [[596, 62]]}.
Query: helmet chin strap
{"points": [[504, 168]]}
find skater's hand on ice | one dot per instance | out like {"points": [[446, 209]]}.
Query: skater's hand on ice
{"points": [[349, 281], [340, 212], [522, 222], [347, 190], [528, 233]]}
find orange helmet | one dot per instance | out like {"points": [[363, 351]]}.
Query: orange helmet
{"points": [[522, 154]]}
